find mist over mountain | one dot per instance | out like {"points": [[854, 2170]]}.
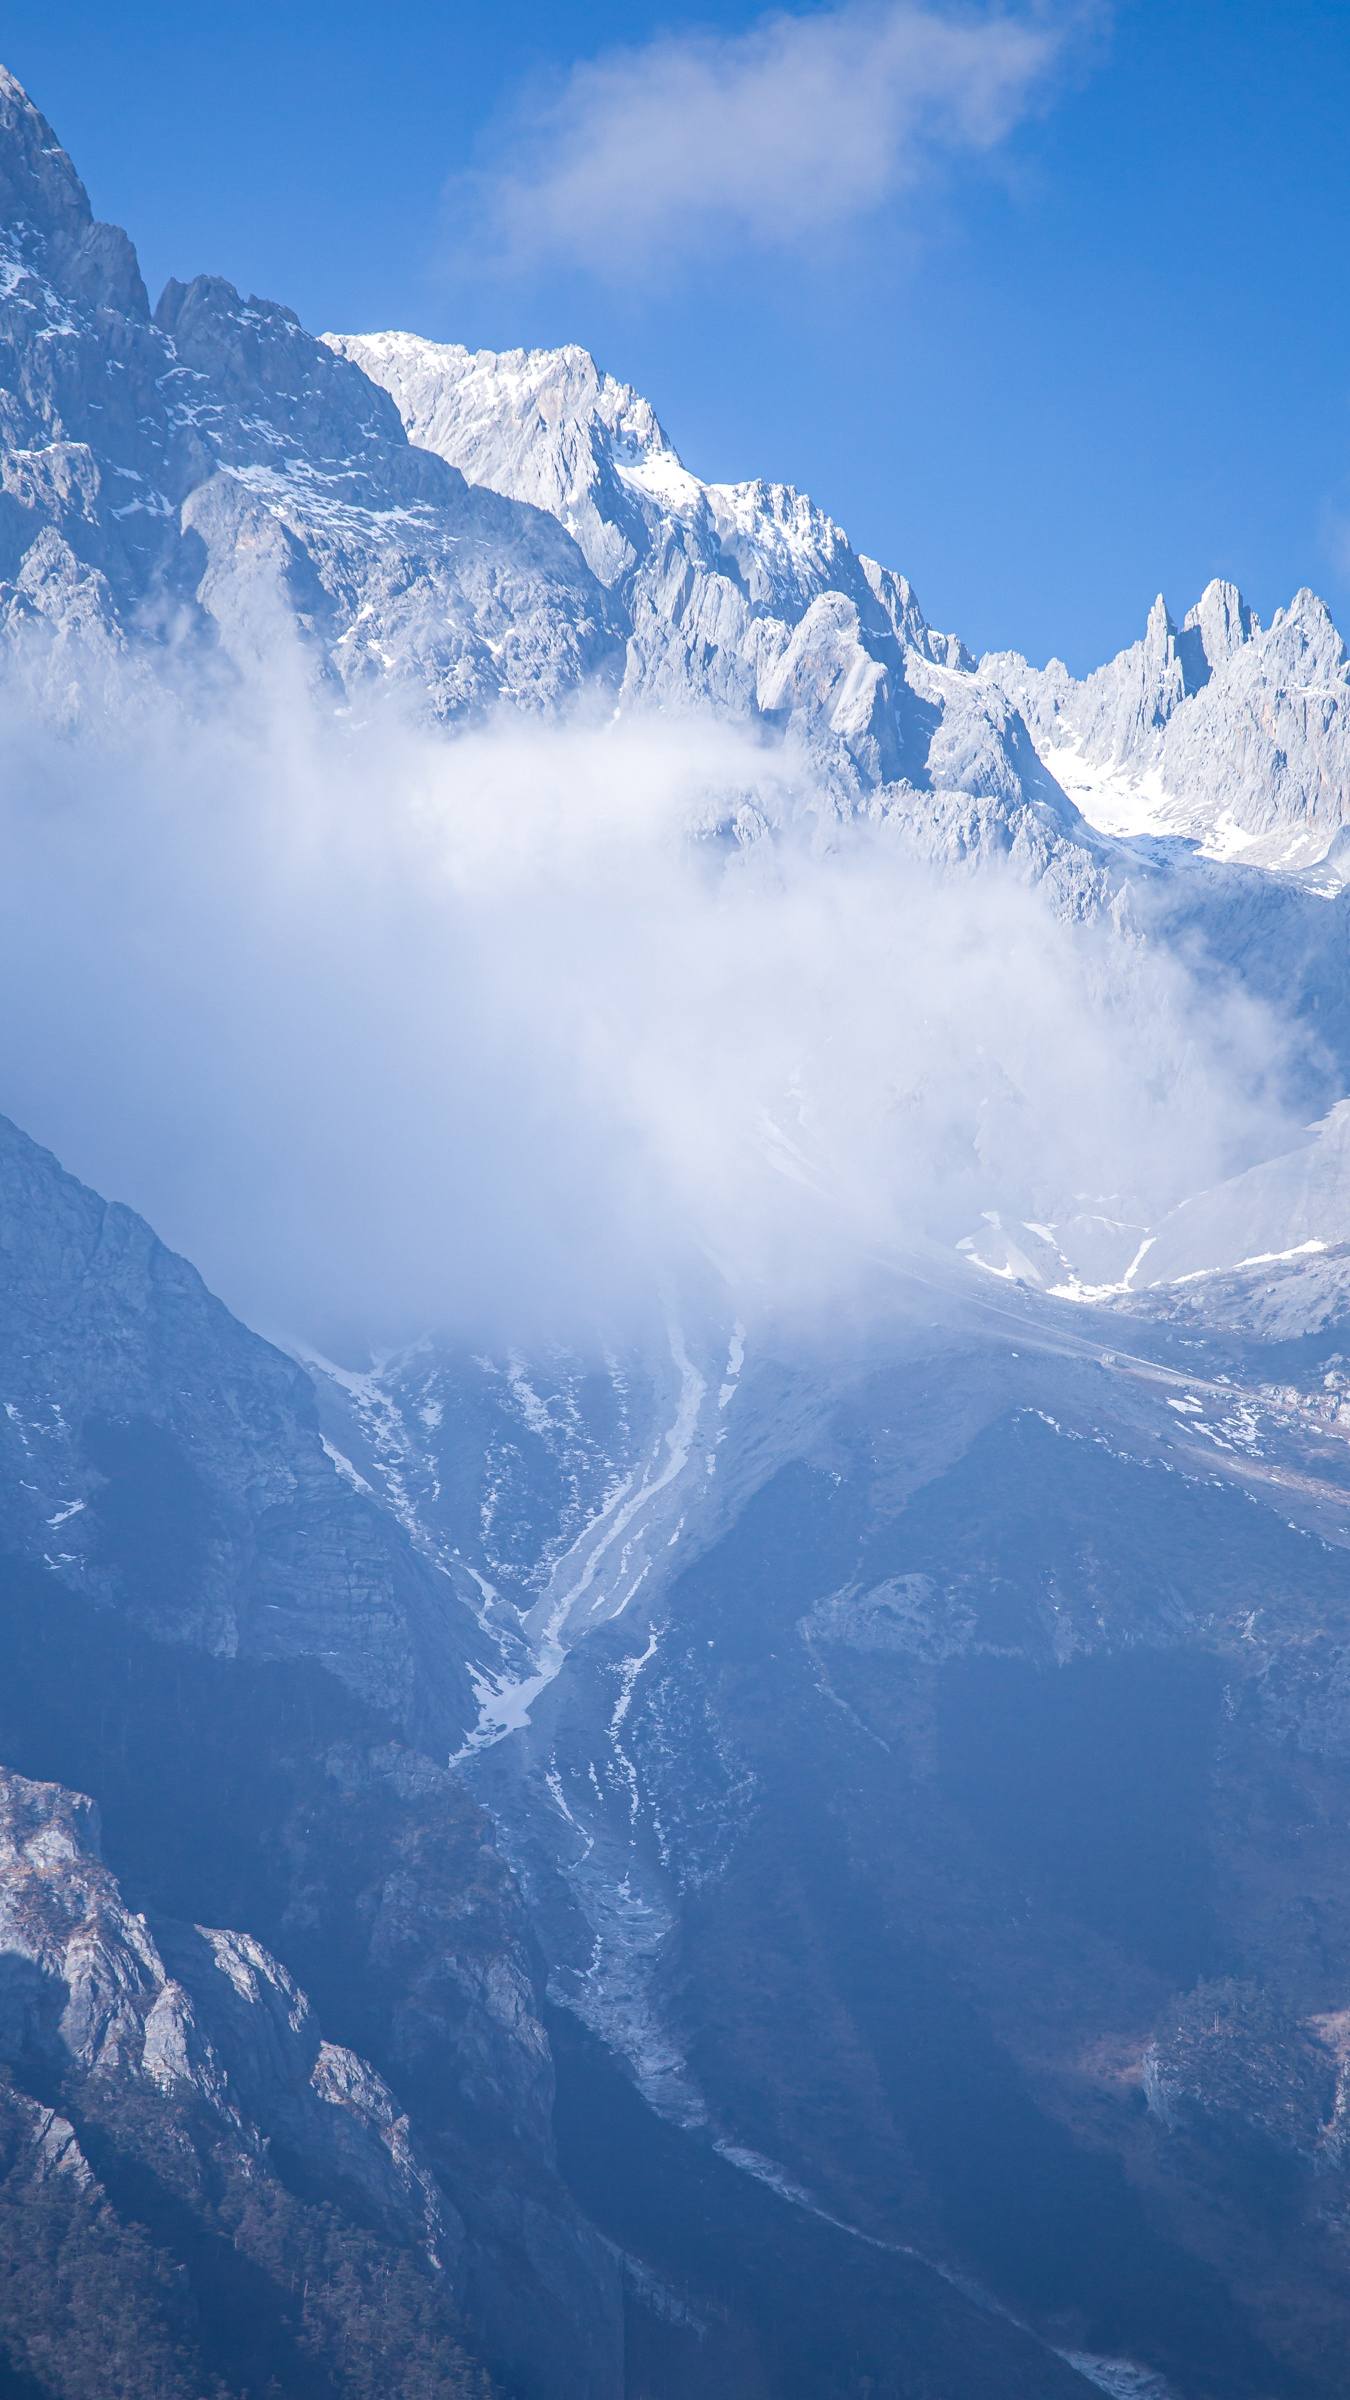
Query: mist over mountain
{"points": [[696, 1741]]}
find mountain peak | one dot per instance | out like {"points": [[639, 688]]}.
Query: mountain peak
{"points": [[1213, 631], [38, 183], [1221, 602], [1310, 606], [549, 427], [49, 224]]}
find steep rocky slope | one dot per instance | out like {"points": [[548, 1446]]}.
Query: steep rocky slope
{"points": [[1216, 730], [159, 1456], [250, 1669], [174, 2117], [895, 1757]]}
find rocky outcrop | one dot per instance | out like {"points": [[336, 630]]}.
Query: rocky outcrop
{"points": [[1229, 2065], [194, 2092], [213, 471], [1233, 735], [95, 1999]]}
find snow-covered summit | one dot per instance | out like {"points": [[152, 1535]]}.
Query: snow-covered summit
{"points": [[547, 426], [485, 527], [743, 595], [48, 230], [215, 468], [478, 529], [1234, 735], [552, 427]]}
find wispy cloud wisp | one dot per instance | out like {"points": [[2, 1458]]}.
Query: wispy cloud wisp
{"points": [[773, 137]]}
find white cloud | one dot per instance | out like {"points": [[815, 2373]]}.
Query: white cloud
{"points": [[770, 137], [387, 1029]]}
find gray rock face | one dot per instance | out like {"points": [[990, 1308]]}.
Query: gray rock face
{"points": [[43, 200], [1264, 745], [210, 2191], [162, 1457], [549, 426], [1229, 2063], [1122, 709], [199, 2015]]}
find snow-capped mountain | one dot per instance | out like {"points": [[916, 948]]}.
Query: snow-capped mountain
{"points": [[1297, 1203], [821, 1868], [744, 596], [210, 470], [1232, 735], [1282, 1223], [748, 599], [549, 426]]}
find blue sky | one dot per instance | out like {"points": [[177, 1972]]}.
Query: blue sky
{"points": [[1086, 339]]}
